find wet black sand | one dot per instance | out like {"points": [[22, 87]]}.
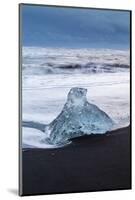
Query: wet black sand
{"points": [[89, 163]]}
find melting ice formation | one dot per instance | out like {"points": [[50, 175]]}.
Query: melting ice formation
{"points": [[78, 117]]}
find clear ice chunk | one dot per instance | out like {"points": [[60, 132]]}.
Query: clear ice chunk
{"points": [[78, 117]]}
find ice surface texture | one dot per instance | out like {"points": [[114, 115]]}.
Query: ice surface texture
{"points": [[77, 118]]}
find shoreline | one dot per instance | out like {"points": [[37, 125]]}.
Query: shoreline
{"points": [[41, 127], [89, 163]]}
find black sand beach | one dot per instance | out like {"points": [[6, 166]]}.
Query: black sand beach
{"points": [[89, 163]]}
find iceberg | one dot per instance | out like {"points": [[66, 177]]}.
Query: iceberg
{"points": [[78, 117]]}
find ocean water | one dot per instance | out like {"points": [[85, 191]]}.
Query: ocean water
{"points": [[49, 73]]}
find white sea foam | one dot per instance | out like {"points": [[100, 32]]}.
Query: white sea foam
{"points": [[34, 138]]}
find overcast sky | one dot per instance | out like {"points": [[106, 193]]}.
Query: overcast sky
{"points": [[70, 27]]}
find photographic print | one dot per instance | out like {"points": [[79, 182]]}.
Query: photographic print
{"points": [[75, 80]]}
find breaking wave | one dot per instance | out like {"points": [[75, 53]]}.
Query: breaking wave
{"points": [[39, 61]]}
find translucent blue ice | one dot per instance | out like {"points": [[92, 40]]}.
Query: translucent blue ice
{"points": [[78, 117]]}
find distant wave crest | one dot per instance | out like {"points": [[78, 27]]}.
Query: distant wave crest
{"points": [[64, 61]]}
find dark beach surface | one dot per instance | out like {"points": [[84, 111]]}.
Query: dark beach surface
{"points": [[89, 163]]}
